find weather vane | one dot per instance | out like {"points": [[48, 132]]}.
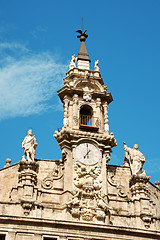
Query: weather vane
{"points": [[83, 36]]}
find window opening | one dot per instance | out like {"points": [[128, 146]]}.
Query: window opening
{"points": [[86, 115], [87, 121], [2, 237], [49, 238]]}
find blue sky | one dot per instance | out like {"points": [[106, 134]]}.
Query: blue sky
{"points": [[37, 40]]}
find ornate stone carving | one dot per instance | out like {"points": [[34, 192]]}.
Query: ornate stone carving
{"points": [[87, 97], [88, 202], [27, 206], [121, 189], [28, 182], [63, 158], [29, 145], [140, 194], [75, 120], [73, 62], [139, 182], [112, 139], [98, 103], [107, 156], [57, 173], [135, 159], [75, 99], [28, 172], [96, 67], [87, 214], [98, 122]]}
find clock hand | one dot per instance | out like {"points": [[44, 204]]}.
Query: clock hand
{"points": [[87, 150], [87, 153]]}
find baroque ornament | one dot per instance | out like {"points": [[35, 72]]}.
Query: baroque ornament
{"points": [[88, 202], [87, 97], [75, 120], [121, 189], [57, 173]]}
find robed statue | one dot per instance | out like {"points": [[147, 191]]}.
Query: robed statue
{"points": [[135, 159], [29, 145]]}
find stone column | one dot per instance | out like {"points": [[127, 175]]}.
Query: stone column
{"points": [[65, 119], [75, 119], [106, 124], [99, 119]]}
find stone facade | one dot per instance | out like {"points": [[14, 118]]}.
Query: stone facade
{"points": [[80, 196]]}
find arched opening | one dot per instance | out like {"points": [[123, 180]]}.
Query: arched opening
{"points": [[86, 113], [86, 120]]}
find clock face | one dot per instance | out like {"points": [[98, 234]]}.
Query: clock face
{"points": [[87, 153]]}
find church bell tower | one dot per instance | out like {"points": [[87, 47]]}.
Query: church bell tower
{"points": [[85, 140]]}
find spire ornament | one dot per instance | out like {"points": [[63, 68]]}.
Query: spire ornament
{"points": [[83, 36], [83, 57]]}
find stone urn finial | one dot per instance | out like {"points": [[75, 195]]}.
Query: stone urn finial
{"points": [[8, 161], [157, 183]]}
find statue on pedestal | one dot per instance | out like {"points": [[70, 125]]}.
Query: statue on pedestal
{"points": [[135, 158], [29, 145], [96, 67], [73, 62]]}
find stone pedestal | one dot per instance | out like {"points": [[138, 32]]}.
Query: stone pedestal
{"points": [[27, 184], [140, 194]]}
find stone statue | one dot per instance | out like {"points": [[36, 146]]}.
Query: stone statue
{"points": [[73, 62], [96, 67], [29, 144], [135, 158]]}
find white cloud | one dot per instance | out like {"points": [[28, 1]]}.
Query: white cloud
{"points": [[5, 46], [27, 80], [38, 30]]}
